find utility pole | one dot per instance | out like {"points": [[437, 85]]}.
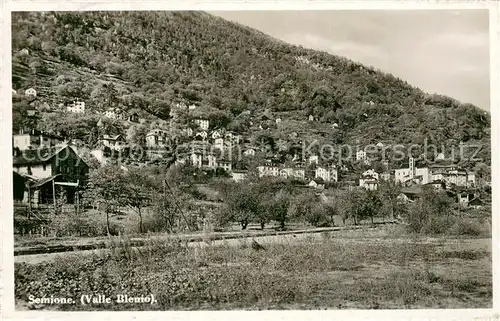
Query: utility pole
{"points": [[54, 194], [29, 201]]}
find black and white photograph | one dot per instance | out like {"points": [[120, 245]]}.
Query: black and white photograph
{"points": [[182, 160]]}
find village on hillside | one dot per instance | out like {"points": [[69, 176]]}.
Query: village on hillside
{"points": [[209, 149]]}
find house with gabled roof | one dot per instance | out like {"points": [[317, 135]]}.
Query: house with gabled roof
{"points": [[30, 92], [35, 139], [239, 175], [156, 138], [318, 183], [327, 173], [77, 107], [115, 142], [369, 180], [43, 164]]}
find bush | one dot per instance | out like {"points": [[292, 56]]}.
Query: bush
{"points": [[467, 227], [431, 213], [77, 225]]}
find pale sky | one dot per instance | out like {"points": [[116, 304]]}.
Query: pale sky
{"points": [[445, 52]]}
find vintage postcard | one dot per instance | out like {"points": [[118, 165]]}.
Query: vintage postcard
{"points": [[323, 158]]}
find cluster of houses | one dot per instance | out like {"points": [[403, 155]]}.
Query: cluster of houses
{"points": [[78, 107], [45, 166], [30, 171]]}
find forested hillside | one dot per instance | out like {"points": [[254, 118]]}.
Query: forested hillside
{"points": [[152, 60]]}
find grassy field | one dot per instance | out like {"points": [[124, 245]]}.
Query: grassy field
{"points": [[372, 270]]}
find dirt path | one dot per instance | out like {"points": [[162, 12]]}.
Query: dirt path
{"points": [[314, 235]]}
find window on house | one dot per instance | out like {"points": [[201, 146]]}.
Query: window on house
{"points": [[44, 167]]}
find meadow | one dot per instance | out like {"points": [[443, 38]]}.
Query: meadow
{"points": [[366, 269]]}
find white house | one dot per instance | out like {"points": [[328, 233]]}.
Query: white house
{"points": [[30, 92], [114, 113], [216, 134], [196, 159], [369, 180], [360, 155], [189, 132], [471, 179], [299, 173], [456, 177], [249, 152], [202, 123], [385, 176], [278, 120], [226, 165], [238, 175], [412, 173], [156, 138], [34, 139], [236, 139], [192, 107], [219, 144], [311, 118], [212, 161], [116, 142], [203, 135], [317, 183], [77, 107], [313, 159], [440, 156], [292, 172], [328, 174], [268, 170], [46, 163]]}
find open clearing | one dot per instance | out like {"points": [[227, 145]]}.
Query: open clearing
{"points": [[341, 270]]}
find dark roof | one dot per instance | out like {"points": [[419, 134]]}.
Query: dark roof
{"points": [[36, 156], [319, 180], [41, 156], [438, 181], [412, 190], [476, 201], [35, 132], [46, 180], [17, 176], [115, 137]]}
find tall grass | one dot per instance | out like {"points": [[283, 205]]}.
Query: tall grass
{"points": [[307, 273]]}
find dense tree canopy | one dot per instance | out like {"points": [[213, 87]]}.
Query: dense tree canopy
{"points": [[151, 60]]}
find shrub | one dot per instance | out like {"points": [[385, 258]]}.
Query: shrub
{"points": [[77, 225], [466, 227]]}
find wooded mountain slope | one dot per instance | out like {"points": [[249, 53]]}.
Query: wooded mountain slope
{"points": [[150, 60]]}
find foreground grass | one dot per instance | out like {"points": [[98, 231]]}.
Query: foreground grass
{"points": [[308, 273]]}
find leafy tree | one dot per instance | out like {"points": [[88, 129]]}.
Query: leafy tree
{"points": [[372, 205], [136, 192], [278, 207], [242, 204], [430, 213], [106, 186], [335, 206], [303, 207], [392, 207]]}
